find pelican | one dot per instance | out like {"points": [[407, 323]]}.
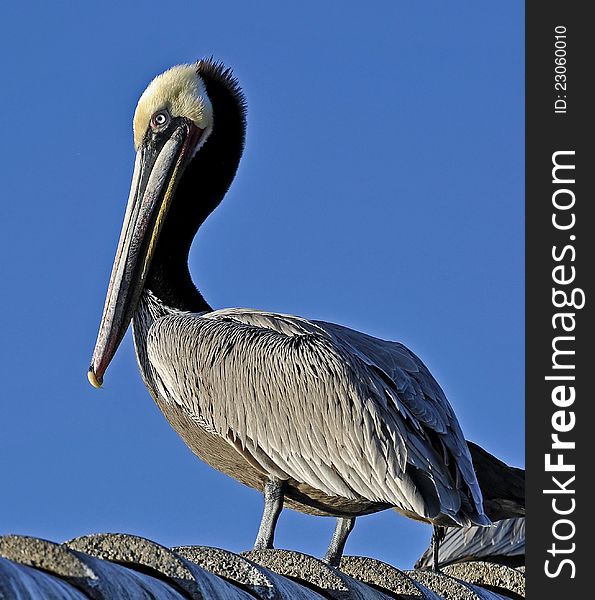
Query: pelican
{"points": [[319, 417]]}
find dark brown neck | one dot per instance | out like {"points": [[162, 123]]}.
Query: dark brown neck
{"points": [[202, 186]]}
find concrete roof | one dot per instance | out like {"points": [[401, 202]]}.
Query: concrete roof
{"points": [[122, 566]]}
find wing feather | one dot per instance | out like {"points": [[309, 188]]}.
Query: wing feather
{"points": [[504, 544], [341, 411]]}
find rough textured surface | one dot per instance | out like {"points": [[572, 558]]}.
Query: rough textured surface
{"points": [[20, 582], [500, 578], [183, 575], [315, 573], [127, 567], [260, 581], [96, 578], [451, 588], [47, 556], [381, 575]]}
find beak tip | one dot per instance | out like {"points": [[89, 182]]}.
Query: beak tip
{"points": [[95, 381]]}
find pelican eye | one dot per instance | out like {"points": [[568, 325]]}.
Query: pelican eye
{"points": [[160, 119]]}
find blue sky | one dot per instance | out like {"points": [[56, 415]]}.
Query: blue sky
{"points": [[381, 188]]}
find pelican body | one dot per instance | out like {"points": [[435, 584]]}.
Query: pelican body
{"points": [[324, 418]]}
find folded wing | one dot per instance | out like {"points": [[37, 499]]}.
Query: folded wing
{"points": [[343, 412]]}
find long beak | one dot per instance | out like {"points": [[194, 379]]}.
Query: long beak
{"points": [[157, 170]]}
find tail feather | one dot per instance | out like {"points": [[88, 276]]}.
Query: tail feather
{"points": [[503, 487]]}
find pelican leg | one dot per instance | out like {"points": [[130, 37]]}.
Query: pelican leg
{"points": [[437, 537], [273, 505], [335, 550]]}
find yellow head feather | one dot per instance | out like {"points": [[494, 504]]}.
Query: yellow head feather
{"points": [[182, 92]]}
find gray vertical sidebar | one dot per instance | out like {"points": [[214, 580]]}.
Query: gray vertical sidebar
{"points": [[560, 268]]}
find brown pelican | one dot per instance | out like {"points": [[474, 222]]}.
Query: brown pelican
{"points": [[326, 419]]}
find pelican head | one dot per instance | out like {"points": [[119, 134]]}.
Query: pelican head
{"points": [[179, 93], [173, 120]]}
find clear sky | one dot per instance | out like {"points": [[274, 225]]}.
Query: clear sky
{"points": [[381, 188]]}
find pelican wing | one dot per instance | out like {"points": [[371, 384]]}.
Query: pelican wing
{"points": [[403, 371], [345, 413]]}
